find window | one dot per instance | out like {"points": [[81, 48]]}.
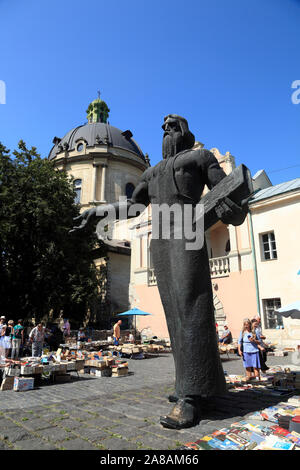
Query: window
{"points": [[77, 189], [129, 190], [150, 260], [227, 247], [272, 320], [79, 147], [151, 274], [268, 246]]}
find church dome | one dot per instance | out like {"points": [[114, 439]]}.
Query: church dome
{"points": [[96, 132]]}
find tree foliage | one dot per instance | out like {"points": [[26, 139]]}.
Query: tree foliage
{"points": [[42, 266]]}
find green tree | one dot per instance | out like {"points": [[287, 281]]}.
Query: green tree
{"points": [[42, 266]]}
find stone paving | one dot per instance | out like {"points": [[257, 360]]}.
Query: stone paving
{"points": [[115, 413]]}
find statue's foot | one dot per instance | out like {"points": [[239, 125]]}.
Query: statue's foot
{"points": [[184, 414]]}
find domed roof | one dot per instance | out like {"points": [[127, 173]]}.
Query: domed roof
{"points": [[96, 133]]}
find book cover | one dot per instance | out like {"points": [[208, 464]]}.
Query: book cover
{"points": [[191, 445], [238, 431], [239, 424], [276, 443], [225, 445], [251, 446], [279, 430], [220, 434], [204, 445], [254, 437], [264, 430], [234, 437]]}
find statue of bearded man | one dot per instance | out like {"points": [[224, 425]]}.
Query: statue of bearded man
{"points": [[183, 276]]}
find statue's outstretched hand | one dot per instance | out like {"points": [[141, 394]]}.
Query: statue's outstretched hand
{"points": [[85, 219], [230, 212]]}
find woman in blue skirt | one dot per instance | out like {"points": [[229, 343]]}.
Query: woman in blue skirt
{"points": [[248, 349]]}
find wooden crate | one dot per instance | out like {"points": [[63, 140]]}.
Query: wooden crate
{"points": [[7, 383], [119, 371]]}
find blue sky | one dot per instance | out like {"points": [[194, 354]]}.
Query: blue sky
{"points": [[225, 65]]}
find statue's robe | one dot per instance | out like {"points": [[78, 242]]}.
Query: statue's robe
{"points": [[183, 276]]}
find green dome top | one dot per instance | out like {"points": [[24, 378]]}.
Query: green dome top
{"points": [[98, 111]]}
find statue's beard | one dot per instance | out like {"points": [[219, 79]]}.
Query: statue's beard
{"points": [[172, 144]]}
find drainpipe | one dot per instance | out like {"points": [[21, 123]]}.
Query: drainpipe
{"points": [[254, 264]]}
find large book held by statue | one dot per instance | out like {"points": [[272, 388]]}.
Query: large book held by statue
{"points": [[237, 186]]}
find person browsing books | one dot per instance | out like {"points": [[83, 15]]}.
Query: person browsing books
{"points": [[36, 337], [117, 332], [248, 349]]}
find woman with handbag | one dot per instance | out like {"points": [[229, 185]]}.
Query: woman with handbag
{"points": [[248, 349]]}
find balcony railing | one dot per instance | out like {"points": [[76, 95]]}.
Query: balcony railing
{"points": [[151, 277], [219, 267]]}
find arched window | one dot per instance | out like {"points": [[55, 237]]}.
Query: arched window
{"points": [[77, 189], [129, 190]]}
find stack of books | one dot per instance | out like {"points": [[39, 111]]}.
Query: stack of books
{"points": [[279, 414], [294, 400], [247, 437], [244, 435]]}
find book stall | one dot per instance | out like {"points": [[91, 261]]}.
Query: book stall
{"points": [[86, 345], [98, 358], [23, 374], [272, 349], [273, 428], [278, 381], [27, 372], [280, 431], [129, 350], [139, 351], [103, 364]]}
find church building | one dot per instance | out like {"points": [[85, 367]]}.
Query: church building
{"points": [[106, 163]]}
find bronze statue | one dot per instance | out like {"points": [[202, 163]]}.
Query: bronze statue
{"points": [[183, 276]]}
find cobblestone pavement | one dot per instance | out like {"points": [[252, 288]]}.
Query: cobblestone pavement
{"points": [[115, 413]]}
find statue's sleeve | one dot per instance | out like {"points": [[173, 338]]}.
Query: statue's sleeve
{"points": [[211, 169]]}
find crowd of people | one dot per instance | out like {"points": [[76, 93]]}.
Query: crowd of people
{"points": [[16, 340]]}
